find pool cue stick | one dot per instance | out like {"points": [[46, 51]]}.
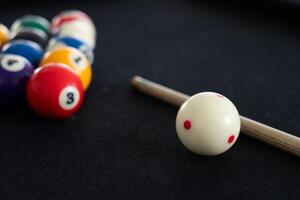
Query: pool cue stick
{"points": [[262, 132]]}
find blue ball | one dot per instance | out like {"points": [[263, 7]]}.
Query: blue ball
{"points": [[15, 71], [25, 48], [72, 42]]}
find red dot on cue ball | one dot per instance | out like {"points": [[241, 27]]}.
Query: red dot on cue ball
{"points": [[230, 139], [187, 124]]}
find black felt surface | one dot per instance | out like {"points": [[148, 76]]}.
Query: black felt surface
{"points": [[123, 145]]}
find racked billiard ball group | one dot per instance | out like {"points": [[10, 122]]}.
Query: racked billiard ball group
{"points": [[49, 64]]}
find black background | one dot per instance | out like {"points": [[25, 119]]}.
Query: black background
{"points": [[122, 144]]}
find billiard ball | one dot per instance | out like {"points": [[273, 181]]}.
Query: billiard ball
{"points": [[72, 58], [78, 29], [70, 16], [34, 35], [208, 124], [4, 35], [14, 74], [72, 42], [55, 91], [26, 48], [31, 21], [65, 17]]}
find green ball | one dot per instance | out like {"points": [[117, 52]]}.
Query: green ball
{"points": [[32, 22]]}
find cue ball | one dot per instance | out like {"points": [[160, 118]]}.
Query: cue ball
{"points": [[26, 48], [55, 91], [208, 124], [14, 74], [72, 58]]}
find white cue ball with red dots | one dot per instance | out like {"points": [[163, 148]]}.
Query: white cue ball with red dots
{"points": [[208, 124]]}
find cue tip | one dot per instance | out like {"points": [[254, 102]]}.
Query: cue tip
{"points": [[136, 80]]}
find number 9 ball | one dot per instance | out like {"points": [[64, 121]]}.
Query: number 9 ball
{"points": [[55, 91], [74, 59]]}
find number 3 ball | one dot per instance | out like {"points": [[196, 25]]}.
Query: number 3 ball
{"points": [[55, 91], [208, 124], [72, 58], [14, 74]]}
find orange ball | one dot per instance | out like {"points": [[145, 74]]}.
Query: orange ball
{"points": [[72, 58], [4, 35]]}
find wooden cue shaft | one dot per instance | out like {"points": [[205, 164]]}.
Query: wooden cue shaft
{"points": [[262, 132]]}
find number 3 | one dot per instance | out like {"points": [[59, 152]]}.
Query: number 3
{"points": [[70, 96]]}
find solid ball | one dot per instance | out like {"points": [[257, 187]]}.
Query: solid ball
{"points": [[80, 30], [26, 48], [4, 35], [55, 91], [34, 35], [208, 124], [33, 22], [72, 58], [14, 74], [72, 42]]}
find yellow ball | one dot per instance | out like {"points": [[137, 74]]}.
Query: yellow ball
{"points": [[74, 59], [4, 35]]}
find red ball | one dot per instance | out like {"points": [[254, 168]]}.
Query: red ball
{"points": [[55, 91]]}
